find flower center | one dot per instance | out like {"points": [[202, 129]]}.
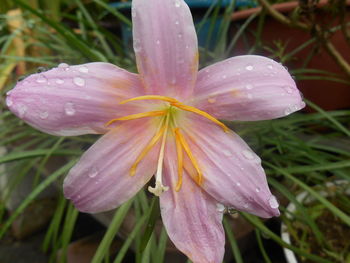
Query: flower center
{"points": [[181, 143]]}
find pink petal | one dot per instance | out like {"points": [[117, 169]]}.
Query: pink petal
{"points": [[232, 172], [73, 100], [190, 216], [247, 88], [101, 180], [165, 45]]}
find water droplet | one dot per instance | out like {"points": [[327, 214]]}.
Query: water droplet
{"points": [[238, 184], [249, 67], [133, 12], [41, 79], [79, 81], [69, 108], [83, 69], [22, 110], [21, 78], [179, 35], [207, 70], [273, 202], [63, 66], [220, 208], [288, 89], [302, 104], [59, 81], [177, 22], [257, 189], [212, 100], [249, 86], [158, 42], [177, 3], [137, 45], [246, 205], [249, 96], [227, 153], [9, 102], [43, 115], [269, 66], [288, 111], [231, 210], [41, 69], [248, 154], [93, 172], [224, 76]]}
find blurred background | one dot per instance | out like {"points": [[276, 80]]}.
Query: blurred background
{"points": [[306, 155]]}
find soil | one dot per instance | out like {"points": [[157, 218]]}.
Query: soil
{"points": [[335, 231]]}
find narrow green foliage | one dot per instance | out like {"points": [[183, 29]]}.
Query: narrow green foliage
{"points": [[112, 230]]}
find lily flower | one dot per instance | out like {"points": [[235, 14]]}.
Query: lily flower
{"points": [[164, 122]]}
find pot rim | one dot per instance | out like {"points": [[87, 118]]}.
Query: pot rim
{"points": [[303, 197]]}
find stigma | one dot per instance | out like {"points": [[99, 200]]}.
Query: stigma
{"points": [[168, 123]]}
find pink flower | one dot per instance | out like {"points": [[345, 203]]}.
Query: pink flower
{"points": [[164, 121]]}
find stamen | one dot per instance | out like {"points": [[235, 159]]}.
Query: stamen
{"points": [[144, 152], [137, 116], [202, 113], [187, 149], [159, 187], [179, 161], [151, 97]]}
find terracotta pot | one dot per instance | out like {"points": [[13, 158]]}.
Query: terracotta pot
{"points": [[330, 95]]}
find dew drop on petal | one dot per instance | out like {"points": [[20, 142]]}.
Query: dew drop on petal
{"points": [[79, 81], [249, 86], [248, 154], [288, 111], [43, 115], [93, 172], [22, 110], [133, 12], [158, 42], [269, 66], [288, 89], [83, 69], [9, 102], [227, 153], [59, 81], [41, 79], [246, 205], [273, 202], [238, 184], [63, 66], [249, 67], [220, 208], [177, 3], [212, 100], [257, 189], [224, 76], [179, 35], [177, 22], [69, 109]]}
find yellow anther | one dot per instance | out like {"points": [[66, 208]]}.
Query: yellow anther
{"points": [[179, 160], [202, 113], [137, 116], [144, 152], [151, 97], [187, 149]]}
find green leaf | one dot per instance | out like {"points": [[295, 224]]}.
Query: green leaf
{"points": [[112, 230], [153, 216]]}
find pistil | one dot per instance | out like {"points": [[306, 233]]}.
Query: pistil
{"points": [[159, 187]]}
